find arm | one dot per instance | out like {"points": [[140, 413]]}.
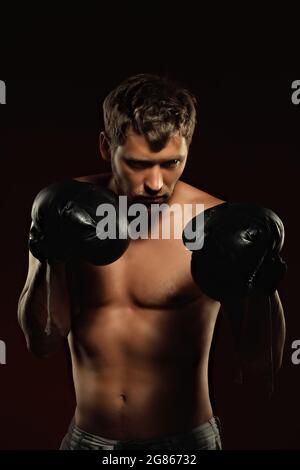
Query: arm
{"points": [[44, 307], [240, 266], [258, 327], [64, 227]]}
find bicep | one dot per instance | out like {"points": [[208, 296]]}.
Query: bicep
{"points": [[33, 265], [46, 296]]}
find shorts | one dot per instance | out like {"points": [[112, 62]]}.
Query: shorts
{"points": [[203, 437]]}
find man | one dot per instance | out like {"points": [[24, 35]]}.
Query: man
{"points": [[138, 323]]}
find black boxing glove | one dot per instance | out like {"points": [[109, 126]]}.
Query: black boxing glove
{"points": [[240, 253], [64, 224]]}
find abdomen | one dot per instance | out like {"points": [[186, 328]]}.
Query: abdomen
{"points": [[142, 372]]}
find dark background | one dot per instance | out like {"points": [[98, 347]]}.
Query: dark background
{"points": [[246, 147]]}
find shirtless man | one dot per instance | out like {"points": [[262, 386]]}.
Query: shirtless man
{"points": [[139, 326]]}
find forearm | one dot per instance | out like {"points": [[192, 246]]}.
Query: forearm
{"points": [[263, 332], [43, 310]]}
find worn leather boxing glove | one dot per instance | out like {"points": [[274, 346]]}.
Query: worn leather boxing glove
{"points": [[240, 253], [65, 225]]}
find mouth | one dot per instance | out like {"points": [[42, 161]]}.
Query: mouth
{"points": [[151, 200], [154, 201]]}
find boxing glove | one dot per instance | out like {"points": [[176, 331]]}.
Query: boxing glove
{"points": [[240, 252], [65, 225]]}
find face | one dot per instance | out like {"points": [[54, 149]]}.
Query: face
{"points": [[145, 176]]}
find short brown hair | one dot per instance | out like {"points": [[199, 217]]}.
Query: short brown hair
{"points": [[153, 106]]}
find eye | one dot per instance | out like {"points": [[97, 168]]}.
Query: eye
{"points": [[171, 164], [136, 165]]}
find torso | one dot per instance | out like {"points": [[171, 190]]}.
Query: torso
{"points": [[140, 339]]}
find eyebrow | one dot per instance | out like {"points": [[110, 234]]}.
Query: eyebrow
{"points": [[142, 160]]}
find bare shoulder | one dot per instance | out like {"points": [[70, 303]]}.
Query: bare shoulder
{"points": [[190, 195]]}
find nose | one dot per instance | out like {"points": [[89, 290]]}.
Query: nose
{"points": [[153, 181]]}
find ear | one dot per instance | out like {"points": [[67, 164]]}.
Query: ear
{"points": [[104, 146]]}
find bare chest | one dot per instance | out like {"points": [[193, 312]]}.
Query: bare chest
{"points": [[151, 274]]}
